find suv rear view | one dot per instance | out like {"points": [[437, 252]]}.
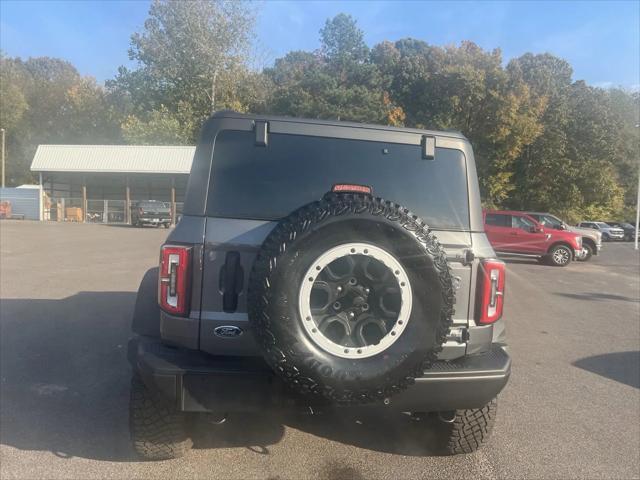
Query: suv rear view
{"points": [[298, 277]]}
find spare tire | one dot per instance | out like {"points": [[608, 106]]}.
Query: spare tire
{"points": [[350, 298]]}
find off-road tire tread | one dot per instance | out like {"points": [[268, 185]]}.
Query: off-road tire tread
{"points": [[158, 432], [471, 428], [260, 292]]}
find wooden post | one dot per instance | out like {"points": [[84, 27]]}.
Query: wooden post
{"points": [[84, 200], [42, 204], [127, 213], [173, 201]]}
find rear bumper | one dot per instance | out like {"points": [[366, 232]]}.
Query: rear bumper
{"points": [[154, 220], [197, 382]]}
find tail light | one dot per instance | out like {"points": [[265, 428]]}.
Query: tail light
{"points": [[490, 292], [174, 279]]}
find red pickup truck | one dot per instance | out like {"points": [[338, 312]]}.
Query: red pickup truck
{"points": [[516, 233]]}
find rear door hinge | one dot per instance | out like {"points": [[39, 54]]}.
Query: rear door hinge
{"points": [[458, 334], [428, 147]]}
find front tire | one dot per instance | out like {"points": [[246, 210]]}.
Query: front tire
{"points": [[464, 431], [606, 237], [588, 252], [158, 432], [560, 256]]}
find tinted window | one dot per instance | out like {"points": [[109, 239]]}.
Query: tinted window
{"points": [[498, 220], [153, 205], [250, 181]]}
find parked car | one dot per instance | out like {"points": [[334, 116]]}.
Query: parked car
{"points": [[608, 232], [591, 239], [289, 284], [629, 229], [151, 212], [516, 233]]}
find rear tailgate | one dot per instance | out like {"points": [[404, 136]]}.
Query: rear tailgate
{"points": [[230, 250]]}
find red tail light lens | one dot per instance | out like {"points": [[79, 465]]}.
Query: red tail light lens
{"points": [[490, 291], [174, 279]]}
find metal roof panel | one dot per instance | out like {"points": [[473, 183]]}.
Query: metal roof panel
{"points": [[113, 158]]}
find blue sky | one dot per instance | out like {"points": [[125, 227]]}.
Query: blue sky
{"points": [[600, 39]]}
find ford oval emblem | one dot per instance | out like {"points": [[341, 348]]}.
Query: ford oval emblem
{"points": [[228, 331]]}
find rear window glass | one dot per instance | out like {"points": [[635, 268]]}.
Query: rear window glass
{"points": [[153, 205], [249, 181], [498, 220]]}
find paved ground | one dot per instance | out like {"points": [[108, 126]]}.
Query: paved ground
{"points": [[569, 411]]}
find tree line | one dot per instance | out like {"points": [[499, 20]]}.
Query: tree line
{"points": [[542, 140]]}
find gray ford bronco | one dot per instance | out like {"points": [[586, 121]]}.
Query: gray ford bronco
{"points": [[322, 266]]}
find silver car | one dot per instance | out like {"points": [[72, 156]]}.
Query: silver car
{"points": [[608, 232]]}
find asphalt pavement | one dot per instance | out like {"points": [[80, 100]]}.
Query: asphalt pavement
{"points": [[570, 410]]}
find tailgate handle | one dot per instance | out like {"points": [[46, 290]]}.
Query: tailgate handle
{"points": [[231, 281]]}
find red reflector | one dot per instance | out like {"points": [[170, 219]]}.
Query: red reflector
{"points": [[490, 293], [174, 279], [350, 188]]}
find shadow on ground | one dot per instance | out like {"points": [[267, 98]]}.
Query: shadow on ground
{"points": [[524, 261], [598, 297], [65, 389], [623, 367]]}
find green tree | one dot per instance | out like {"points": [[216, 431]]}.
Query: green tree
{"points": [[45, 100], [464, 88], [574, 167], [339, 81], [192, 59]]}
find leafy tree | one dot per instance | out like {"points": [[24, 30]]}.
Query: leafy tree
{"points": [[574, 167], [339, 81], [159, 127], [189, 54], [464, 88], [52, 104]]}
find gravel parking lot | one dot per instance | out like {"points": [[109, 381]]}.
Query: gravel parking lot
{"points": [[67, 291]]}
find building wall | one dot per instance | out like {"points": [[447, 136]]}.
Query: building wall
{"points": [[24, 201]]}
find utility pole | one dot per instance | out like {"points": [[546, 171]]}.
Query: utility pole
{"points": [[637, 204], [213, 91], [2, 130], [637, 211]]}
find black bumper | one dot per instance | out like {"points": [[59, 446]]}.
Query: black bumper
{"points": [[197, 382]]}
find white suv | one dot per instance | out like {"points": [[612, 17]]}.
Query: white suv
{"points": [[608, 232]]}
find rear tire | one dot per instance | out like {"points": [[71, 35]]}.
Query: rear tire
{"points": [[157, 431], [465, 430], [560, 256]]}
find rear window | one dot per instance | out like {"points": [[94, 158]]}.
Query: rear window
{"points": [[153, 205], [268, 183], [498, 220]]}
